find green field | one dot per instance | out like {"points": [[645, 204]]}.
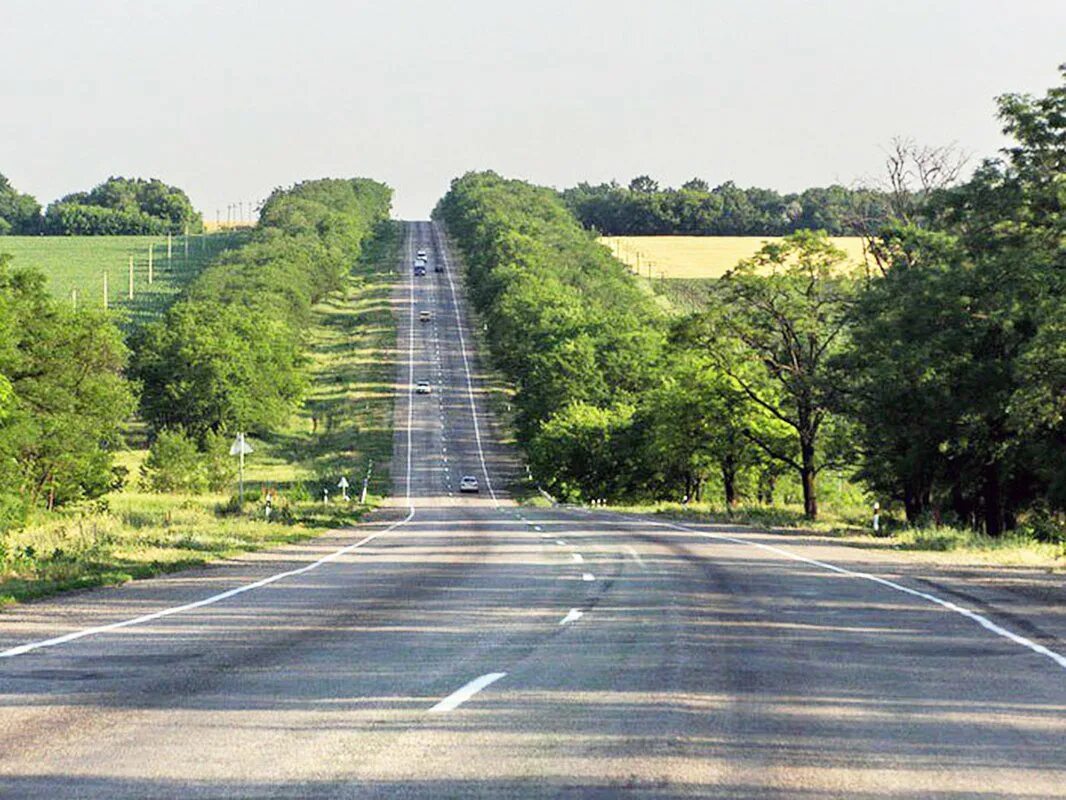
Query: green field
{"points": [[78, 263]]}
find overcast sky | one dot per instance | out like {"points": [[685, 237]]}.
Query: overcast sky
{"points": [[230, 99]]}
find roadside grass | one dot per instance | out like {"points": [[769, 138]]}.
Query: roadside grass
{"points": [[79, 262], [131, 534], [700, 256], [852, 526]]}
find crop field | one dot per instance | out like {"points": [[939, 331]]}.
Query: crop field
{"points": [[699, 256], [79, 263]]}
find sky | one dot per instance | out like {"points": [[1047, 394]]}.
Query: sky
{"points": [[230, 99]]}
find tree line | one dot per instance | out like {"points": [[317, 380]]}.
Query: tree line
{"points": [[118, 206], [227, 356], [695, 209], [936, 374]]}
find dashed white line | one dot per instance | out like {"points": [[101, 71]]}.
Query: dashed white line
{"points": [[588, 577], [561, 542], [577, 557], [572, 616], [461, 695], [636, 556]]}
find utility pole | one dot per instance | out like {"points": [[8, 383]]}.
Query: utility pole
{"points": [[150, 277], [74, 298], [186, 243], [131, 278], [105, 290], [170, 246]]}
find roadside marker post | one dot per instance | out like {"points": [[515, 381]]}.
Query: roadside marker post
{"points": [[366, 482], [239, 448]]}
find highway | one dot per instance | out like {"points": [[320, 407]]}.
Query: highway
{"points": [[464, 646]]}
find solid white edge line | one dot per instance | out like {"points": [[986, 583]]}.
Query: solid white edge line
{"points": [[216, 598], [441, 249], [980, 619], [464, 693]]}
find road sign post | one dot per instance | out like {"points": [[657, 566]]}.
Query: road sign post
{"points": [[342, 484], [239, 448]]}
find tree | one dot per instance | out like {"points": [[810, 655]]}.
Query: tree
{"points": [[123, 206], [644, 184], [776, 323], [696, 185], [20, 214]]}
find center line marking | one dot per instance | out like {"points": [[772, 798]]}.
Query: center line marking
{"points": [[636, 556], [573, 616], [588, 576], [577, 557], [561, 542], [460, 696]]}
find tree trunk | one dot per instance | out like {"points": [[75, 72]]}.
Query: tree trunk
{"points": [[807, 476], [729, 482], [993, 501]]}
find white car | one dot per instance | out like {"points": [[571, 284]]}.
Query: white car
{"points": [[424, 387], [420, 254], [468, 483], [425, 316]]}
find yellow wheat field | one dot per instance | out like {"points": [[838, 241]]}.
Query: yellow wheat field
{"points": [[699, 256]]}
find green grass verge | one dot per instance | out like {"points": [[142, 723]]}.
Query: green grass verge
{"points": [[852, 526], [79, 262], [132, 534]]}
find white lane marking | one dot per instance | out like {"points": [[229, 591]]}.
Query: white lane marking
{"points": [[461, 695], [636, 556], [561, 542], [216, 598], [980, 619], [588, 576], [577, 557], [573, 616], [442, 252], [537, 528]]}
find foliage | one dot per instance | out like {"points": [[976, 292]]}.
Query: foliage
{"points": [[173, 464], [130, 206], [20, 214], [62, 398], [229, 355], [726, 210]]}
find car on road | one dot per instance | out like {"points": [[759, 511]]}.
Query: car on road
{"points": [[424, 387], [438, 268], [425, 316], [468, 484], [420, 253], [420, 272]]}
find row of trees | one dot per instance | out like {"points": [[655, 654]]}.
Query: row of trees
{"points": [[937, 374], [643, 209], [229, 355], [118, 206]]}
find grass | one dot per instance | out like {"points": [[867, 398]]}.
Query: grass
{"points": [[688, 257], [132, 534], [851, 526], [79, 262]]}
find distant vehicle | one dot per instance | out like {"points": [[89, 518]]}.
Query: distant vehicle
{"points": [[438, 268], [468, 483], [425, 316], [421, 254], [420, 272], [420, 262], [423, 387]]}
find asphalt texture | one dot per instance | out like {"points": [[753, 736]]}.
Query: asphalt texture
{"points": [[464, 646]]}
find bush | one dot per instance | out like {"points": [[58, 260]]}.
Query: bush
{"points": [[174, 464]]}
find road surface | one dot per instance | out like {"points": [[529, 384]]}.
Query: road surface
{"points": [[463, 646]]}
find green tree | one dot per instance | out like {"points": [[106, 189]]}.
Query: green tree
{"points": [[775, 325]]}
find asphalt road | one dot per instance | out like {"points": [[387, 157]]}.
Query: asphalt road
{"points": [[463, 646]]}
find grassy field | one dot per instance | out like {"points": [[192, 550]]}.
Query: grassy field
{"points": [[79, 263], [131, 534], [699, 256]]}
